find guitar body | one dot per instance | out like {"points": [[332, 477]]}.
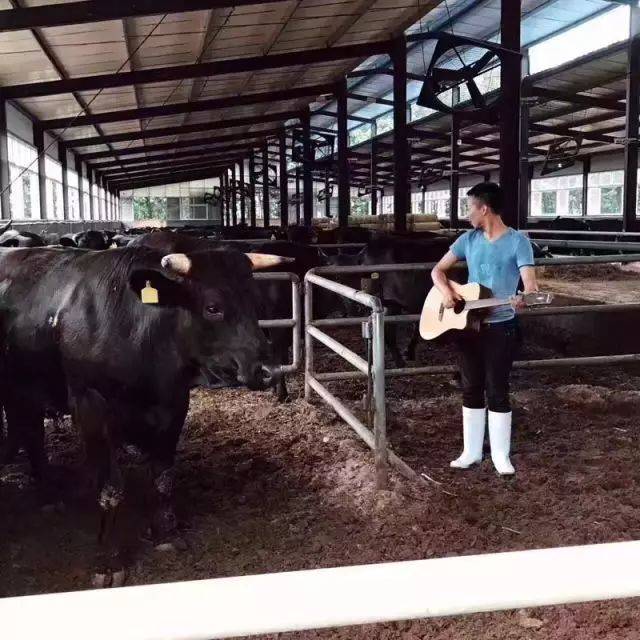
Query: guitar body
{"points": [[436, 320]]}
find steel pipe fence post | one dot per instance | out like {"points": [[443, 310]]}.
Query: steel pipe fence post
{"points": [[379, 400], [294, 322], [297, 315], [308, 340]]}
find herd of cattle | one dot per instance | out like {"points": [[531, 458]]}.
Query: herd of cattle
{"points": [[115, 328]]}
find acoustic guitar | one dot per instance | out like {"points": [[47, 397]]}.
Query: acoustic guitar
{"points": [[436, 319]]}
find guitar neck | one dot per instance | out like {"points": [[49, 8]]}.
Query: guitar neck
{"points": [[487, 302]]}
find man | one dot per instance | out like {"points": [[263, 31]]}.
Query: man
{"points": [[497, 257]]}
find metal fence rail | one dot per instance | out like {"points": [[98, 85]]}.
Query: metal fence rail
{"points": [[375, 370], [549, 232], [594, 245], [295, 322]]}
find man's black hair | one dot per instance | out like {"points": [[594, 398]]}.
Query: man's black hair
{"points": [[490, 194]]}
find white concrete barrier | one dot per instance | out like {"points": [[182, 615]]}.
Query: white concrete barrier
{"points": [[251, 605]]}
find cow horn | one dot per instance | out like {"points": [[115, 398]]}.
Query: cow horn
{"points": [[265, 260], [178, 263]]}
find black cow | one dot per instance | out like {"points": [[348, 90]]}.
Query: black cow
{"points": [[274, 297], [13, 238], [341, 235], [77, 338], [403, 291], [92, 239]]}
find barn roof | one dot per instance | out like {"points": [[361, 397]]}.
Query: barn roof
{"points": [[195, 78]]}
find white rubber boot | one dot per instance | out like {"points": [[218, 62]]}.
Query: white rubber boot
{"points": [[473, 426], [500, 439]]}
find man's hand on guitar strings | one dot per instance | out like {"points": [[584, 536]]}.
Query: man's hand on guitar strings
{"points": [[517, 303], [450, 299]]}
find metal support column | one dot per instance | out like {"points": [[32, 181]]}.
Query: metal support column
{"points": [[234, 210], [81, 211], [586, 170], [344, 187], [401, 155], [223, 198], [307, 177], [265, 185], [243, 215], [92, 206], [62, 156], [510, 79], [374, 177], [297, 195], [524, 173], [454, 179], [102, 203], [327, 188], [284, 180], [38, 138], [632, 129], [5, 175], [252, 189]]}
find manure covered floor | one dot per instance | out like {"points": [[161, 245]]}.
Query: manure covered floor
{"points": [[267, 487]]}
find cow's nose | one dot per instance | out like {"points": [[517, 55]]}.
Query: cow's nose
{"points": [[269, 375], [258, 377]]}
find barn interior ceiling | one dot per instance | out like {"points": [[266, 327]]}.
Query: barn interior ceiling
{"points": [[136, 87]]}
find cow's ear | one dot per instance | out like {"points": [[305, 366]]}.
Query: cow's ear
{"points": [[155, 289]]}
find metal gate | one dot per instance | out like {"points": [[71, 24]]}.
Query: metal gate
{"points": [[375, 371]]}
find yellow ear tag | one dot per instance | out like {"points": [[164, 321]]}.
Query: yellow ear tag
{"points": [[149, 295]]}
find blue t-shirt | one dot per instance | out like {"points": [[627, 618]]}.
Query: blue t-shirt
{"points": [[495, 265]]}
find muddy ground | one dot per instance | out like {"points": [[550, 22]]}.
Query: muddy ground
{"points": [[264, 487]]}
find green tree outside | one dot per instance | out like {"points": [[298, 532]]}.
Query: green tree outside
{"points": [[150, 208]]}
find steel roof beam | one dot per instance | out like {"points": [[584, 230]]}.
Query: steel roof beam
{"points": [[333, 114], [370, 99], [598, 102], [169, 173], [198, 70], [191, 128], [170, 178], [252, 138], [151, 171], [187, 107], [60, 15], [131, 162], [151, 166], [566, 131]]}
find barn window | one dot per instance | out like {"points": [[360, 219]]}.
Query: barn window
{"points": [[596, 33], [418, 112], [23, 175], [605, 193], [549, 203], [611, 201], [73, 184], [53, 172], [556, 196], [417, 205], [463, 208], [438, 203], [359, 134], [86, 198]]}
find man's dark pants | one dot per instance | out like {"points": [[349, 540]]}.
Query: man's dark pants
{"points": [[486, 359]]}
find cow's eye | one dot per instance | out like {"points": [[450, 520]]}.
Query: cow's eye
{"points": [[214, 312]]}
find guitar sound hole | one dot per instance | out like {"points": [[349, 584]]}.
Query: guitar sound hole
{"points": [[459, 307]]}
